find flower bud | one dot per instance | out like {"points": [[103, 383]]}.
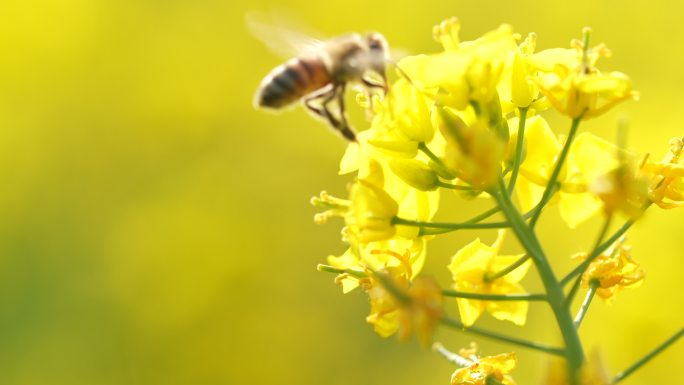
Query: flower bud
{"points": [[415, 173], [372, 209]]}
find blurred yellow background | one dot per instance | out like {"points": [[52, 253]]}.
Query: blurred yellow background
{"points": [[155, 228]]}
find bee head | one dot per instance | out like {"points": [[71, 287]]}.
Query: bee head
{"points": [[379, 49]]}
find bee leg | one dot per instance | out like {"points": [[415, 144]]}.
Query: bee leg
{"points": [[323, 110], [344, 127], [373, 84]]}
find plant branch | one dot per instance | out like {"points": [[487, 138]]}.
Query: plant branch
{"points": [[586, 303], [517, 161], [553, 180], [641, 362], [494, 297], [504, 338]]}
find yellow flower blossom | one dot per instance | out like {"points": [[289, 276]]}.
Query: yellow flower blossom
{"points": [[497, 367], [415, 307], [372, 209], [470, 268], [666, 177], [465, 71], [401, 255], [474, 153], [622, 189], [574, 86], [614, 270], [368, 162], [402, 120], [589, 158]]}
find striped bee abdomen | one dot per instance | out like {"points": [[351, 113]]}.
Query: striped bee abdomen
{"points": [[288, 82]]}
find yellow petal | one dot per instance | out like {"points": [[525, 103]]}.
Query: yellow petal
{"points": [[514, 311], [470, 310], [577, 208], [501, 262]]}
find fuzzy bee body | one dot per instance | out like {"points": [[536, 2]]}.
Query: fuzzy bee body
{"points": [[291, 81], [320, 76]]}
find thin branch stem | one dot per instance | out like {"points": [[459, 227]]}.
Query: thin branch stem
{"points": [[504, 338], [426, 150], [641, 362], [336, 270], [494, 297], [553, 180], [517, 161], [508, 269], [454, 186], [450, 356], [450, 225], [586, 303]]}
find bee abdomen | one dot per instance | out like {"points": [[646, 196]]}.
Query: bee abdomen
{"points": [[287, 83]]}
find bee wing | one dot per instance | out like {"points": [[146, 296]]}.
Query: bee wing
{"points": [[279, 37]]}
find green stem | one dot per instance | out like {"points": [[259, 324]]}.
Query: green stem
{"points": [[484, 215], [506, 270], [554, 291], [622, 375], [586, 303], [502, 337], [450, 225], [336, 270], [494, 297], [426, 150], [454, 186], [553, 180], [517, 161]]}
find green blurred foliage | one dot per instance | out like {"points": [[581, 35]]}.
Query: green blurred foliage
{"points": [[155, 228]]}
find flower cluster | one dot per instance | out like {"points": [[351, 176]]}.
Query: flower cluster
{"points": [[469, 119]]}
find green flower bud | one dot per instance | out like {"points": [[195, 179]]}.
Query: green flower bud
{"points": [[415, 173]]}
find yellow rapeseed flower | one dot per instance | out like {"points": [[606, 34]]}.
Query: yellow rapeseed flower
{"points": [[372, 209], [466, 71], [666, 188], [473, 152], [470, 268], [404, 256], [406, 307], [614, 270], [590, 158], [497, 367], [574, 86]]}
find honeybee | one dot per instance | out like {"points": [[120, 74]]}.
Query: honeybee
{"points": [[319, 76]]}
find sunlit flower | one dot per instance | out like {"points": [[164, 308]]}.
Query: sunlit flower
{"points": [[621, 190], [574, 86], [470, 268], [466, 71], [497, 367], [589, 158], [401, 121], [372, 209], [474, 152], [403, 306], [667, 177], [403, 256], [613, 270]]}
